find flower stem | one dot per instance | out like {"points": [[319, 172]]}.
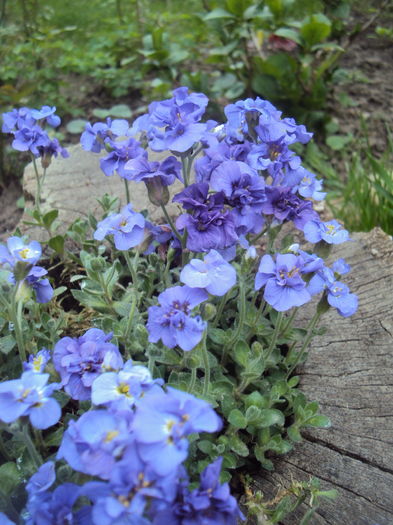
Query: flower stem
{"points": [[205, 358], [171, 223], [38, 188], [132, 267], [276, 333], [289, 322], [310, 329], [34, 454], [127, 190], [193, 380], [16, 310], [220, 309], [242, 316]]}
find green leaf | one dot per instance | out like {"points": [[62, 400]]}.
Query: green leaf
{"points": [[253, 414], [217, 13], [319, 422], [218, 336], [59, 290], [269, 417], [10, 477], [338, 142], [120, 111], [76, 126], [290, 34], [237, 419], [205, 446], [7, 343], [49, 217], [294, 434], [57, 244], [240, 353], [238, 446], [315, 29]]}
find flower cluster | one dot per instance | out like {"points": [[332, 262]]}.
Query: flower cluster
{"points": [[21, 259], [135, 444], [24, 125]]}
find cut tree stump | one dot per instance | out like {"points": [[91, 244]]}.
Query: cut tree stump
{"points": [[350, 373], [74, 184]]}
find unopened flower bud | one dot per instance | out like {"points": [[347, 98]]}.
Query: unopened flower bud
{"points": [[98, 264], [209, 311], [158, 193]]}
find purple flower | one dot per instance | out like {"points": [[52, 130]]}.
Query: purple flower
{"points": [[121, 153], [48, 508], [47, 113], [121, 390], [42, 480], [4, 520], [127, 228], [172, 322], [162, 423], [209, 504], [80, 360], [341, 267], [244, 190], [214, 274], [52, 148], [42, 287], [94, 137], [133, 489], [216, 155], [331, 232], [172, 124], [17, 250], [210, 226], [140, 169], [29, 396], [285, 206], [17, 118], [337, 293], [38, 362], [244, 113], [284, 287], [94, 443], [272, 155], [30, 139]]}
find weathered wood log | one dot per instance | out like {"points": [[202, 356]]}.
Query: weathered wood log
{"points": [[350, 373]]}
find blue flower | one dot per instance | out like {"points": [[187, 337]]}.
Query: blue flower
{"points": [[337, 293], [127, 228], [80, 360], [214, 274], [172, 322], [17, 250], [94, 137], [120, 154], [209, 225], [94, 443], [209, 504], [121, 390], [38, 362], [284, 287], [331, 232], [162, 423], [47, 113], [285, 206], [173, 124], [30, 139], [244, 190], [29, 396], [47, 508]]}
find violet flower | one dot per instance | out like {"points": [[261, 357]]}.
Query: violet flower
{"points": [[284, 286], [127, 228], [29, 396], [214, 274], [80, 360], [172, 321]]}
